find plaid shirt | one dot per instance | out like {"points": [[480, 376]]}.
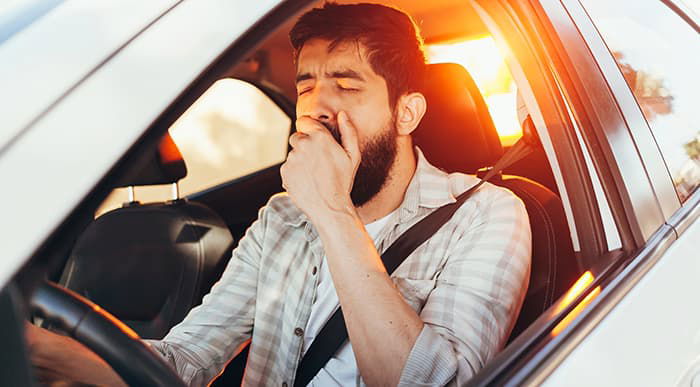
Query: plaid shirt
{"points": [[467, 283]]}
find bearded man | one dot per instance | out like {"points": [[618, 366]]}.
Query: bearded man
{"points": [[354, 183]]}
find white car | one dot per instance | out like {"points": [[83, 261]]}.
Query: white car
{"points": [[88, 89]]}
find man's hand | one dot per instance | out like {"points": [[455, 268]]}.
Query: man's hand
{"points": [[60, 358], [319, 173]]}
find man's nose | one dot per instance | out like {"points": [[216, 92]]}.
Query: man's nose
{"points": [[319, 106]]}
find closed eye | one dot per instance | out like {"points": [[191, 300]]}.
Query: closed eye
{"points": [[348, 89]]}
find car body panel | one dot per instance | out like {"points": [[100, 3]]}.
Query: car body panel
{"points": [[652, 336], [41, 62], [57, 162]]}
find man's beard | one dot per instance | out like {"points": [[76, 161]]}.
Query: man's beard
{"points": [[378, 156]]}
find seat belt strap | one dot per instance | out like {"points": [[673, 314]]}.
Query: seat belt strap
{"points": [[334, 333]]}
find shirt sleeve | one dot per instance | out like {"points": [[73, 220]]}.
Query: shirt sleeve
{"points": [[472, 309], [215, 331]]}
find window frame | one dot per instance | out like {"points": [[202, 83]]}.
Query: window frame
{"points": [[677, 215], [547, 37], [649, 151], [541, 89], [621, 145]]}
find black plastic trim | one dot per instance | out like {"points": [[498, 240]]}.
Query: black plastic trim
{"points": [[524, 31], [223, 186]]}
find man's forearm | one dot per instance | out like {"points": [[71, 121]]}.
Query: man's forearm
{"points": [[381, 325]]}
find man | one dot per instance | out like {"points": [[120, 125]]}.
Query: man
{"points": [[354, 184]]}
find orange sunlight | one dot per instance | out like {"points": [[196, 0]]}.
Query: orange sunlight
{"points": [[482, 58], [581, 284], [574, 313]]}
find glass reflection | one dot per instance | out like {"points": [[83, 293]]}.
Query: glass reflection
{"points": [[658, 54]]}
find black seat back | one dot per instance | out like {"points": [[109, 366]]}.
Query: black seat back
{"points": [[457, 134], [149, 264]]}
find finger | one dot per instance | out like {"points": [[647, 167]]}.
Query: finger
{"points": [[283, 175], [348, 137], [308, 125], [296, 138]]}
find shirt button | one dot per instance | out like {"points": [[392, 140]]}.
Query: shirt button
{"points": [[298, 331], [313, 271], [284, 384]]}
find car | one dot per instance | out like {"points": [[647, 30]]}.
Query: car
{"points": [[100, 97]]}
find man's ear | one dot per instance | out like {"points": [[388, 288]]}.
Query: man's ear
{"points": [[410, 109]]}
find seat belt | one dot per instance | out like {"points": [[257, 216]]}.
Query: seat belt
{"points": [[334, 333]]}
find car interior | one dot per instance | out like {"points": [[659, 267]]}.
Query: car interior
{"points": [[148, 260]]}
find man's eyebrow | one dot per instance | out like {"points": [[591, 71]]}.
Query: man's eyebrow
{"points": [[351, 74], [304, 77]]}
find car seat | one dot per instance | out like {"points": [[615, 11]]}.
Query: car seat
{"points": [[149, 264], [458, 135]]}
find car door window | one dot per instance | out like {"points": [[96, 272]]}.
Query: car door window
{"points": [[232, 130], [645, 38]]}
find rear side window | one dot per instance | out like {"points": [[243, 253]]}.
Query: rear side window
{"points": [[232, 130], [658, 53]]}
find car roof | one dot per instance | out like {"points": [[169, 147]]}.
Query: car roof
{"points": [[46, 48]]}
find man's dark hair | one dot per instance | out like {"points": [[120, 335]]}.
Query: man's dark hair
{"points": [[394, 46]]}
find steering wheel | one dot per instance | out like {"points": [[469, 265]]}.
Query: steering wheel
{"points": [[104, 334]]}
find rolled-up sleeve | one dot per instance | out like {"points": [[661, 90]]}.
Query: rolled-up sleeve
{"points": [[215, 331], [469, 314]]}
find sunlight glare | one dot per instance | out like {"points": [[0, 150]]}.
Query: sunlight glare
{"points": [[482, 58]]}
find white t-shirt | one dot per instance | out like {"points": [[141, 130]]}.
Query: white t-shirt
{"points": [[341, 369]]}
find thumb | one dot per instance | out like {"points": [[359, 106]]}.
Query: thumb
{"points": [[348, 137]]}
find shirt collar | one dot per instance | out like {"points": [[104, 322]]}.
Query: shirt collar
{"points": [[429, 188]]}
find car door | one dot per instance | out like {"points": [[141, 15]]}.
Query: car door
{"points": [[646, 334], [612, 177]]}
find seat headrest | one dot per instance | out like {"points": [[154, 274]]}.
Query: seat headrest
{"points": [[456, 133], [164, 166]]}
